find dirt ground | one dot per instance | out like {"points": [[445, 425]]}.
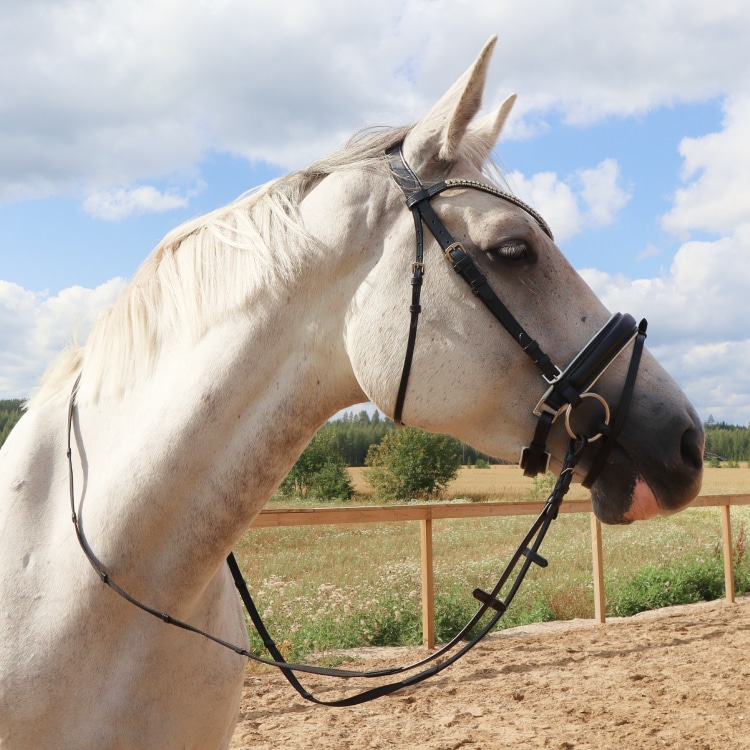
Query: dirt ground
{"points": [[677, 678]]}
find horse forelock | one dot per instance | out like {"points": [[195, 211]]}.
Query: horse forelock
{"points": [[202, 271]]}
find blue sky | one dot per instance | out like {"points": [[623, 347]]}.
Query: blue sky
{"points": [[69, 246], [119, 120]]}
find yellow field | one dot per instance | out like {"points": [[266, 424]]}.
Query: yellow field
{"points": [[509, 483]]}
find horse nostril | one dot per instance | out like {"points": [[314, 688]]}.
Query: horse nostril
{"points": [[691, 448]]}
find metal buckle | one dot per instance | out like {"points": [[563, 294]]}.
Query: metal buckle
{"points": [[543, 407], [552, 381], [415, 266], [448, 250], [522, 460]]}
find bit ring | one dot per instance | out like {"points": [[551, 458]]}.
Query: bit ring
{"points": [[607, 415]]}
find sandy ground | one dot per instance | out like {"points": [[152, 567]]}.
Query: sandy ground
{"points": [[678, 678]]}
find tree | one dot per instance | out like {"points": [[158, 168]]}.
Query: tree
{"points": [[10, 413], [320, 472], [410, 463], [355, 433], [726, 442]]}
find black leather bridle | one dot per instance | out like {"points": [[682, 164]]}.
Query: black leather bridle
{"points": [[566, 390]]}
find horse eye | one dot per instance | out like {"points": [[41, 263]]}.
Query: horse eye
{"points": [[511, 250]]}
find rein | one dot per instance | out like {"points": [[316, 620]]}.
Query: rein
{"points": [[526, 554], [567, 389]]}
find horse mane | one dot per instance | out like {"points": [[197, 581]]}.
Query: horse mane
{"points": [[207, 268], [202, 271]]}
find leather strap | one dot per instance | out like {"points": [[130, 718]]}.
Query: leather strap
{"points": [[565, 387], [528, 548], [417, 273], [613, 432], [418, 200], [534, 457]]}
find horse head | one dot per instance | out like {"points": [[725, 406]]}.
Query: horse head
{"points": [[468, 376]]}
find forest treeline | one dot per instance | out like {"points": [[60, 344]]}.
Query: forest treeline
{"points": [[354, 433], [726, 442], [10, 413]]}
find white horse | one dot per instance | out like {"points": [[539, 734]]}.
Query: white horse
{"points": [[199, 388]]}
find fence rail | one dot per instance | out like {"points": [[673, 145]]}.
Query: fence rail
{"points": [[426, 514]]}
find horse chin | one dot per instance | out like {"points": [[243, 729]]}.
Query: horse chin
{"points": [[637, 503], [621, 495], [643, 504], [606, 510]]}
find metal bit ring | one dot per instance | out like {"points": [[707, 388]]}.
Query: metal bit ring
{"points": [[568, 411]]}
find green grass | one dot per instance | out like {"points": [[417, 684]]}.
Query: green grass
{"points": [[697, 576], [322, 588]]}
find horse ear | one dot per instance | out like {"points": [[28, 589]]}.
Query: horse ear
{"points": [[484, 133], [434, 140]]}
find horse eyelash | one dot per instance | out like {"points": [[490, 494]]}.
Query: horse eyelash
{"points": [[513, 250]]}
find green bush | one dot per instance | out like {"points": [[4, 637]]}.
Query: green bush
{"points": [[692, 581], [542, 486], [654, 588], [320, 472], [410, 463]]}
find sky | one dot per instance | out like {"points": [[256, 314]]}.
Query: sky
{"points": [[120, 119]]}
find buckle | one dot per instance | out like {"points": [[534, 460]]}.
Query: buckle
{"points": [[534, 470], [448, 250], [543, 407], [553, 380]]}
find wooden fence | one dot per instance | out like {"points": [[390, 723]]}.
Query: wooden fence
{"points": [[426, 514]]}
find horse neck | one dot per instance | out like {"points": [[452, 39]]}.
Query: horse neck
{"points": [[174, 472]]}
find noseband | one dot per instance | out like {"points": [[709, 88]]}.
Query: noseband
{"points": [[566, 388]]}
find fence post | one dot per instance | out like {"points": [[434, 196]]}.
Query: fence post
{"points": [[428, 591], [597, 563], [726, 534]]}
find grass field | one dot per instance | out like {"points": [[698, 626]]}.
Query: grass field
{"points": [[329, 587]]}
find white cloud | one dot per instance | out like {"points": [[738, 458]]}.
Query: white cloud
{"points": [[602, 192], [717, 170], [697, 313], [703, 298], [118, 203], [715, 377], [650, 251], [553, 198], [34, 327], [115, 92], [588, 198]]}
